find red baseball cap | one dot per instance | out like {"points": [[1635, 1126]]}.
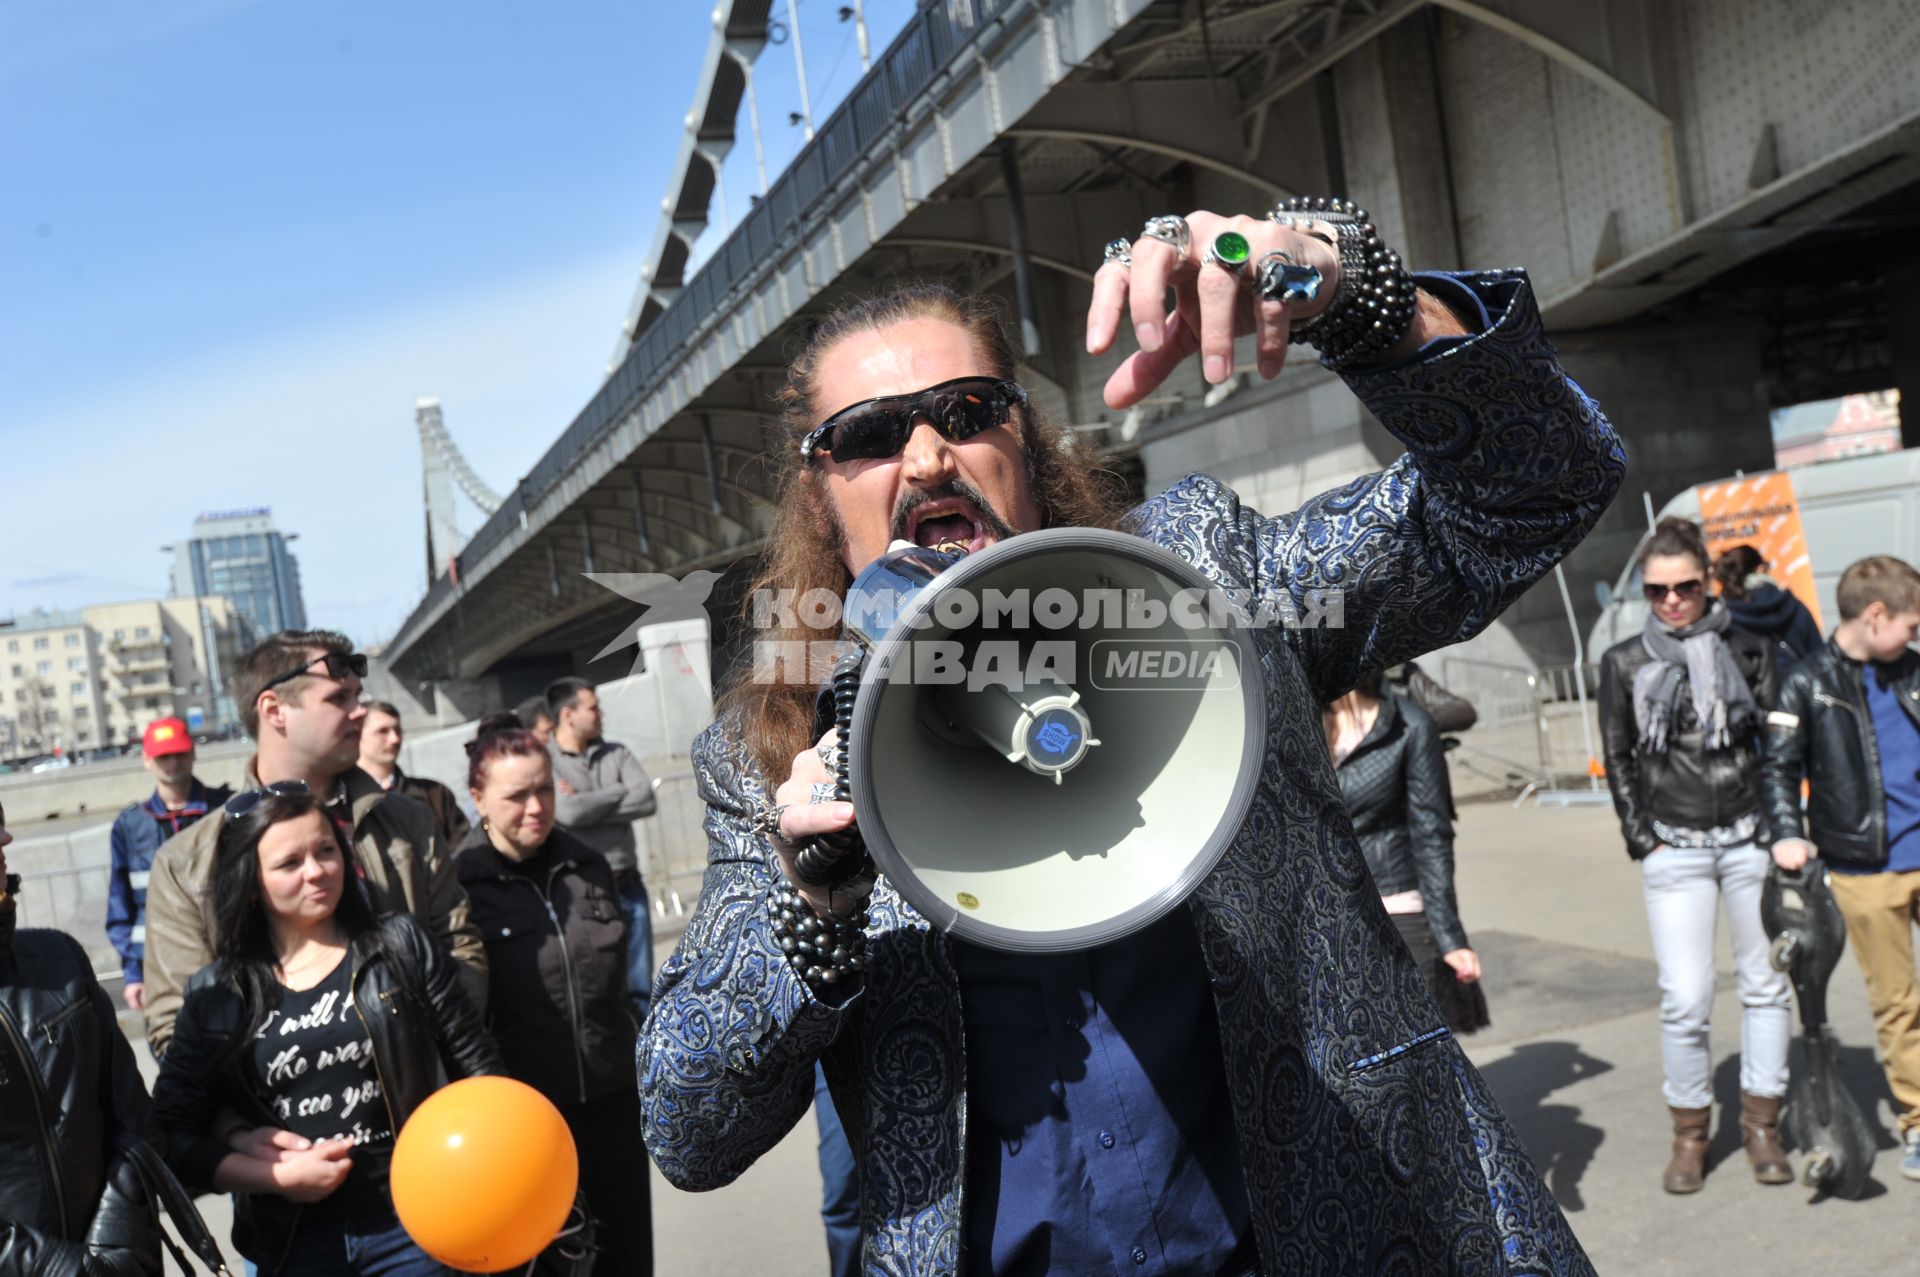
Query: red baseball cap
{"points": [[166, 736]]}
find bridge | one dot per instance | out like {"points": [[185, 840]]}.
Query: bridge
{"points": [[1716, 200]]}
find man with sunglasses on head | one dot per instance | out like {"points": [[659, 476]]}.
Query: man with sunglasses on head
{"points": [[301, 700], [1259, 1082]]}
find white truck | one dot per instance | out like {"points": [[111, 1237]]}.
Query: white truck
{"points": [[1849, 509]]}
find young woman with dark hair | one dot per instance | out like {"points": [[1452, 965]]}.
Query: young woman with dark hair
{"points": [[318, 1018], [1761, 607], [557, 999], [1392, 771], [1682, 708]]}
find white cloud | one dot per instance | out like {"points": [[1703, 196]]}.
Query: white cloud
{"points": [[319, 426]]}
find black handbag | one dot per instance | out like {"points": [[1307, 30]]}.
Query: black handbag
{"points": [[1450, 713], [166, 1194]]}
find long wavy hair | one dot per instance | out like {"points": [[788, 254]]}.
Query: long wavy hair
{"points": [[805, 547], [242, 936]]}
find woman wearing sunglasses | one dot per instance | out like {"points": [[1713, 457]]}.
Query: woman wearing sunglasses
{"points": [[318, 1018], [1681, 711], [557, 997]]}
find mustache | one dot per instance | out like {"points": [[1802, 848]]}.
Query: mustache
{"points": [[959, 489]]}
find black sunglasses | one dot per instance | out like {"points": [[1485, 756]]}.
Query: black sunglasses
{"points": [[880, 428], [247, 799], [338, 666], [1685, 589]]}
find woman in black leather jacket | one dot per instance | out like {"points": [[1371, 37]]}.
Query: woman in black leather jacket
{"points": [[557, 997], [1682, 708], [71, 1201], [1392, 770], [318, 1018]]}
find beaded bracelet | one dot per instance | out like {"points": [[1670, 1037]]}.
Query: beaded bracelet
{"points": [[825, 952], [1374, 303]]}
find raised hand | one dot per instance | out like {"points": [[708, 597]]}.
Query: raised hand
{"points": [[1212, 303]]}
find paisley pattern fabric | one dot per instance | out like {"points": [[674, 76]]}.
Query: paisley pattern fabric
{"points": [[1369, 1142]]}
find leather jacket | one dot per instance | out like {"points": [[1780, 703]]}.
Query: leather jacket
{"points": [[1395, 784], [1821, 729], [423, 1029], [556, 938], [71, 1203], [1689, 786], [396, 849]]}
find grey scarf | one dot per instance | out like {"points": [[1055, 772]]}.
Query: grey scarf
{"points": [[1698, 658]]}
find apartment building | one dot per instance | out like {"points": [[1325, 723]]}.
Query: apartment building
{"points": [[72, 681], [49, 685]]}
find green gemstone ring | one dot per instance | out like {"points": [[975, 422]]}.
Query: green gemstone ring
{"points": [[1229, 251]]}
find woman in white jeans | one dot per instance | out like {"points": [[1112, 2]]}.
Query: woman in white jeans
{"points": [[1682, 707]]}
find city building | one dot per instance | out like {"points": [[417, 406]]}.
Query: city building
{"points": [[238, 554], [1850, 426], [75, 681], [167, 657], [49, 685]]}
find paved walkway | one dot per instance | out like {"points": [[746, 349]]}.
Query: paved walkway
{"points": [[1554, 906]]}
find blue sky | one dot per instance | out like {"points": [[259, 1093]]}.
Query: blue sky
{"points": [[238, 238]]}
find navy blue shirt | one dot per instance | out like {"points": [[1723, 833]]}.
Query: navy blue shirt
{"points": [[1898, 738], [1100, 1138]]}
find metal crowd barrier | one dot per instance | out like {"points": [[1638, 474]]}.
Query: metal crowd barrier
{"points": [[674, 850], [1531, 736]]}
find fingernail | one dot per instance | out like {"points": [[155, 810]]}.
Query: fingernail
{"points": [[1216, 369], [1149, 336]]}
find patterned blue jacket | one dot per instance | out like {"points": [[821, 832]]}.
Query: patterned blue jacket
{"points": [[1370, 1144]]}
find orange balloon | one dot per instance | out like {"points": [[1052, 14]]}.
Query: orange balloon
{"points": [[484, 1174]]}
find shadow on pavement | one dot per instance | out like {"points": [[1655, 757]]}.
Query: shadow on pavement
{"points": [[1561, 1143], [1860, 1073]]}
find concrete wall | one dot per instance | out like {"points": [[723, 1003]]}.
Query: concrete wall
{"points": [[104, 788]]}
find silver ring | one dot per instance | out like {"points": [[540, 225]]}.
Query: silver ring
{"points": [[821, 793], [1118, 250], [1169, 228], [1229, 251], [829, 754], [1279, 277]]}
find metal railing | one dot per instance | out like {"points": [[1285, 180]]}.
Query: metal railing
{"points": [[674, 855], [1531, 734], [931, 41]]}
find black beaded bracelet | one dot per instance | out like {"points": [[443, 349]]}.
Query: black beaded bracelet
{"points": [[825, 952], [1374, 303]]}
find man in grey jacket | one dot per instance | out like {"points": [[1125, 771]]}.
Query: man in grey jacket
{"points": [[602, 790]]}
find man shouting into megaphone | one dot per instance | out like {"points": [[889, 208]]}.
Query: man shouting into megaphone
{"points": [[1258, 1082]]}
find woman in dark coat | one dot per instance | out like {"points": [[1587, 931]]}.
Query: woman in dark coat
{"points": [[1761, 607], [1681, 712], [557, 997], [1392, 771], [319, 1019]]}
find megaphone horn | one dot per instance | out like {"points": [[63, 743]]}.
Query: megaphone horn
{"points": [[1051, 744]]}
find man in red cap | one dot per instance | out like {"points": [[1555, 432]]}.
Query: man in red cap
{"points": [[178, 800]]}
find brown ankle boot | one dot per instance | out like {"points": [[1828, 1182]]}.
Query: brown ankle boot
{"points": [[1760, 1129], [1688, 1169]]}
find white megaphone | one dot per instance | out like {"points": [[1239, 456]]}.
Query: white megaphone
{"points": [[1053, 739]]}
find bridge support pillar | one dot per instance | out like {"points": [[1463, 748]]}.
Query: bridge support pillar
{"points": [[1689, 401], [1903, 323]]}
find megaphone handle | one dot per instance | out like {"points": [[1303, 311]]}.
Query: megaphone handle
{"points": [[846, 689]]}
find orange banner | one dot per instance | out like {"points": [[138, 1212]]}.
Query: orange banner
{"points": [[1762, 512]]}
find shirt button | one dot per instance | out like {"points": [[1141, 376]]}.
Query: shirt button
{"points": [[1106, 1141], [1139, 1255]]}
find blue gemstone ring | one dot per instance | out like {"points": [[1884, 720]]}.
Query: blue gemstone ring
{"points": [[1280, 278]]}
